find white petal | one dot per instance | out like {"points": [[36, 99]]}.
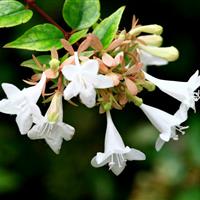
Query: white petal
{"points": [[8, 107], [24, 121], [100, 160], [90, 66], [159, 144], [65, 130], [134, 154], [118, 170], [113, 140], [71, 90], [194, 81], [162, 120], [55, 144], [11, 90], [166, 136], [88, 97], [37, 131], [33, 93], [182, 113], [148, 59], [176, 89], [70, 71], [102, 82]]}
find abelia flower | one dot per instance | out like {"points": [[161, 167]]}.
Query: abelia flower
{"points": [[148, 59], [84, 78], [115, 152], [51, 126], [166, 123], [22, 103], [182, 91]]}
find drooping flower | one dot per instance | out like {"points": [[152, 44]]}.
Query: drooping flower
{"points": [[51, 126], [84, 79], [115, 152], [166, 123], [148, 59], [182, 91], [22, 103]]}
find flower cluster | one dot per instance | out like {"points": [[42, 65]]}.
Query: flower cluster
{"points": [[106, 77]]}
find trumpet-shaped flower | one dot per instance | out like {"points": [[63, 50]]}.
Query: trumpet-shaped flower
{"points": [[182, 91], [115, 152], [148, 59], [84, 79], [51, 126], [22, 103], [166, 123]]}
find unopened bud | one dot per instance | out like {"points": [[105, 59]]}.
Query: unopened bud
{"points": [[122, 35], [149, 86], [135, 99], [107, 106], [151, 40], [54, 64], [54, 112], [167, 53], [152, 29]]}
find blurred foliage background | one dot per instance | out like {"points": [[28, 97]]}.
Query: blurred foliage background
{"points": [[29, 169]]}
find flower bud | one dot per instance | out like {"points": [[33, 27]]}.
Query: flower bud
{"points": [[151, 40], [55, 112], [167, 53], [54, 64], [149, 86], [152, 29]]}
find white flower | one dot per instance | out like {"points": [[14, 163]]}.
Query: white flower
{"points": [[51, 127], [21, 103], [115, 152], [166, 123], [182, 91], [84, 79], [148, 59]]}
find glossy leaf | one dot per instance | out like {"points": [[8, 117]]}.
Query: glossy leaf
{"points": [[43, 60], [107, 29], [13, 13], [77, 36], [81, 14], [39, 38]]}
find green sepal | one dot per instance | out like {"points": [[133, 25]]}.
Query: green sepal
{"points": [[13, 13]]}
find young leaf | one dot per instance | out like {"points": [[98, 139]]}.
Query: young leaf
{"points": [[107, 29], [81, 14], [39, 38], [44, 59], [13, 13], [77, 36]]}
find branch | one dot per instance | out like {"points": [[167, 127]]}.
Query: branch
{"points": [[32, 4]]}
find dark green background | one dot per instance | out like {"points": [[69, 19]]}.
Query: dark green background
{"points": [[30, 170]]}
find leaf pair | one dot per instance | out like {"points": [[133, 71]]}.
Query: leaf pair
{"points": [[78, 14]]}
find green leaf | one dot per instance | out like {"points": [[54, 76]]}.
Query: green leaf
{"points": [[44, 59], [39, 38], [77, 36], [13, 13], [107, 29], [81, 14]]}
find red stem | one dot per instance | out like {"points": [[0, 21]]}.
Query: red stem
{"points": [[32, 4]]}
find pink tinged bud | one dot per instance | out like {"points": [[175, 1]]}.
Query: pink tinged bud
{"points": [[131, 86], [108, 60], [115, 78]]}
